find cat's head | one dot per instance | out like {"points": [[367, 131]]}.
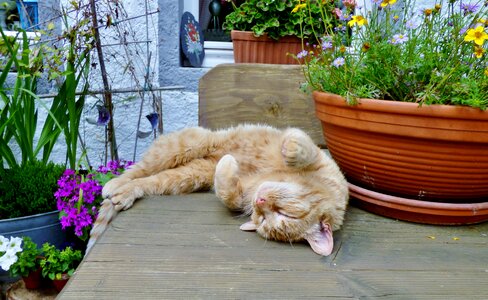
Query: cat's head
{"points": [[287, 212]]}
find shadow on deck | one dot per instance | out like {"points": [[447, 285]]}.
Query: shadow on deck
{"points": [[190, 247]]}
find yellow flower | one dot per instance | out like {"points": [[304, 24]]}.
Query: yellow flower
{"points": [[360, 20], [486, 71], [298, 7], [428, 12], [478, 52], [366, 47], [437, 7], [478, 35], [385, 3]]}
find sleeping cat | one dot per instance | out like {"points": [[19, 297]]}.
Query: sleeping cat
{"points": [[291, 189]]}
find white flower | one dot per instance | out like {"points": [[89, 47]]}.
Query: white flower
{"points": [[7, 260], [3, 243], [14, 245]]}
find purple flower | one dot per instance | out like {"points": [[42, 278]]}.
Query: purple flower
{"points": [[153, 119], [399, 39], [79, 196], [302, 54], [469, 8], [326, 43], [338, 62], [340, 28], [411, 24], [103, 115], [345, 17]]}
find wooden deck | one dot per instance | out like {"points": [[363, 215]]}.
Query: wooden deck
{"points": [[190, 247]]}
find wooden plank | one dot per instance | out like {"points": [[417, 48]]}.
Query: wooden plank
{"points": [[230, 94], [190, 247]]}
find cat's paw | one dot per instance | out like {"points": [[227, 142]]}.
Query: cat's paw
{"points": [[124, 196], [112, 186], [225, 172], [226, 182], [297, 149]]}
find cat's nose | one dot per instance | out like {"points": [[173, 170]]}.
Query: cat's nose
{"points": [[260, 201]]}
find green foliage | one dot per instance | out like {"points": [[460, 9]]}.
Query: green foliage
{"points": [[281, 18], [57, 262], [19, 112], [8, 40], [29, 189], [404, 54], [28, 259]]}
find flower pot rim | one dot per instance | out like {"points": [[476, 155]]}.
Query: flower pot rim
{"points": [[427, 212], [249, 36], [406, 108], [30, 216]]}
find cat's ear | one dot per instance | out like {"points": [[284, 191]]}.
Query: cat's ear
{"points": [[321, 239], [248, 226]]}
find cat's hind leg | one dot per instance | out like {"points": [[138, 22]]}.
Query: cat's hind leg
{"points": [[168, 151], [298, 149], [193, 176], [227, 184]]}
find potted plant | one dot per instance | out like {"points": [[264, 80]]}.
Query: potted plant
{"points": [[59, 265], [266, 31], [403, 108], [27, 177], [21, 257], [79, 194], [28, 206]]}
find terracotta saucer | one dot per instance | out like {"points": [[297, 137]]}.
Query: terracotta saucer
{"points": [[418, 211]]}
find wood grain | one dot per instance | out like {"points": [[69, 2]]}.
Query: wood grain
{"points": [[231, 94], [190, 247]]}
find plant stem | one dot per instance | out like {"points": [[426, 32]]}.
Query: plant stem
{"points": [[107, 95]]}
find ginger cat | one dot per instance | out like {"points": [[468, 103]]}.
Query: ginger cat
{"points": [[291, 189]]}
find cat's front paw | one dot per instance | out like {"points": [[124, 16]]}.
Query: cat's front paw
{"points": [[226, 182], [124, 197], [112, 186], [225, 173], [297, 150]]}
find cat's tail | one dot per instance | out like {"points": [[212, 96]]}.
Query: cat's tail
{"points": [[106, 214]]}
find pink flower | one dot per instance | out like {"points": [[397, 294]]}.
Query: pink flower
{"points": [[337, 12], [349, 3]]}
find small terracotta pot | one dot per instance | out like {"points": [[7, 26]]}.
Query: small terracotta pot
{"points": [[33, 280], [60, 283], [431, 153], [251, 49]]}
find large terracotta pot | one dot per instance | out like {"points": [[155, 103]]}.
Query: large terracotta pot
{"points": [[401, 157], [251, 49]]}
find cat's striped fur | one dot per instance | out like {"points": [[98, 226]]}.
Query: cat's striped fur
{"points": [[292, 190]]}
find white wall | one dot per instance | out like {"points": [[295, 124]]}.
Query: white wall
{"points": [[180, 108]]}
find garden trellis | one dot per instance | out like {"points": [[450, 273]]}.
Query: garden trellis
{"points": [[126, 50]]}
